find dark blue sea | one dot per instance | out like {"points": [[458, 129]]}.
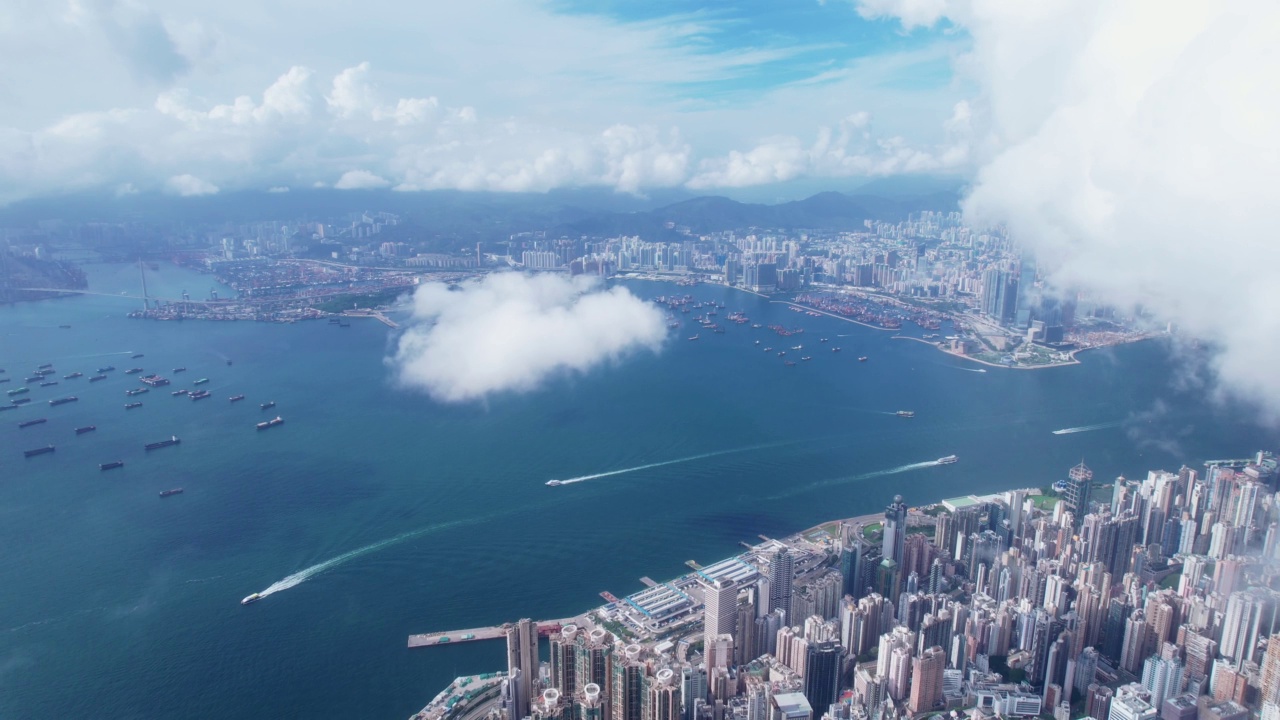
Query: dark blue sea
{"points": [[381, 513]]}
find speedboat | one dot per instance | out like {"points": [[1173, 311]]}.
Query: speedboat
{"points": [[555, 483], [251, 599], [948, 460]]}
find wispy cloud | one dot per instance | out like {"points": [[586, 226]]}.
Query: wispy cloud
{"points": [[509, 332]]}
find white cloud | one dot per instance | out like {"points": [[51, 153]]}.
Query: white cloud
{"points": [[189, 186], [1132, 144], [509, 332], [278, 189], [360, 180]]}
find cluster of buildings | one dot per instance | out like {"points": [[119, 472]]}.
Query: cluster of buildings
{"points": [[1131, 600]]}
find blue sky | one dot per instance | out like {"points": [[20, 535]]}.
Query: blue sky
{"points": [[509, 95]]}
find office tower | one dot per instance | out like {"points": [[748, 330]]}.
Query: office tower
{"points": [[1055, 668], [629, 685], [851, 563], [887, 584], [522, 655], [720, 617], [693, 688], [926, 680], [1135, 642], [664, 698], [781, 576], [822, 674], [894, 540], [1086, 670], [1162, 678], [745, 636], [1078, 492]]}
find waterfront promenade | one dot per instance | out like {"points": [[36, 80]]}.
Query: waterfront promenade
{"points": [[492, 632]]}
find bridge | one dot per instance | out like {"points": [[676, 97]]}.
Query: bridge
{"points": [[492, 632]]}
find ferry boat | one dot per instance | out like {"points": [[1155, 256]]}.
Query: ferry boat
{"points": [[268, 405], [555, 483], [96, 378], [85, 429], [176, 393], [948, 460], [201, 381], [905, 414], [236, 398], [132, 405], [111, 465], [108, 368], [251, 599], [37, 451], [163, 443], [136, 391], [133, 371], [167, 493], [72, 376], [63, 401], [179, 369], [29, 423], [277, 420]]}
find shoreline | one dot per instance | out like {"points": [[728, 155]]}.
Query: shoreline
{"points": [[1072, 354]]}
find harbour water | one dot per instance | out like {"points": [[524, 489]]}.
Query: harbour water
{"points": [[374, 513]]}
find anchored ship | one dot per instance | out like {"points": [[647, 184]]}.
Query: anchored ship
{"points": [[63, 401], [268, 405], [37, 451], [111, 465], [132, 405], [167, 493], [277, 420], [96, 378], [163, 443], [85, 429], [236, 398], [29, 423]]}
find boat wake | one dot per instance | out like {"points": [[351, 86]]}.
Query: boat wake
{"points": [[1087, 428], [977, 370], [857, 478], [306, 574], [664, 463]]}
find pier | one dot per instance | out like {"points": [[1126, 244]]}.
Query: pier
{"points": [[493, 632]]}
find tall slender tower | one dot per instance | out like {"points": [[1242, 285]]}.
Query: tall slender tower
{"points": [[522, 655], [720, 617], [781, 575]]}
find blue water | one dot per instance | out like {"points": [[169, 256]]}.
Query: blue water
{"points": [[117, 604]]}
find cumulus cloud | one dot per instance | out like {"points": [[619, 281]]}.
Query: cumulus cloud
{"points": [[189, 186], [360, 180], [1132, 146], [510, 331]]}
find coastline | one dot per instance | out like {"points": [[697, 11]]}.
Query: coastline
{"points": [[1072, 354]]}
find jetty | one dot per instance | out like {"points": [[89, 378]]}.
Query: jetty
{"points": [[492, 632]]}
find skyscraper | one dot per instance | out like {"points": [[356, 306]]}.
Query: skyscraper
{"points": [[1078, 491], [522, 656], [822, 675], [781, 576], [1162, 678], [894, 541], [926, 680], [719, 618]]}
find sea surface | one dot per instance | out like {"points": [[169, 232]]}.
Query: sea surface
{"points": [[375, 512]]}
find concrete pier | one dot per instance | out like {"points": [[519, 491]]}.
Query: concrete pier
{"points": [[493, 632]]}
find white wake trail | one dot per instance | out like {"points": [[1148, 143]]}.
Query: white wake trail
{"points": [[664, 463], [857, 478], [1087, 428]]}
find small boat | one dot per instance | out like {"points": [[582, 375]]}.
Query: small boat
{"points": [[72, 376], [695, 337], [111, 465], [757, 342], [167, 493], [948, 460], [862, 359], [135, 356], [555, 483], [179, 369], [905, 414], [64, 327], [85, 429], [268, 405], [133, 371], [798, 347], [236, 398], [29, 423], [822, 339], [806, 358], [201, 381], [132, 405], [251, 599], [37, 451], [782, 353], [176, 393], [136, 391], [835, 349]]}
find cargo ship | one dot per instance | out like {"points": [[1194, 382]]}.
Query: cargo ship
{"points": [[63, 401], [96, 378], [176, 393], [8, 407], [199, 395], [29, 423], [136, 391], [37, 451], [111, 465], [167, 493], [72, 376], [236, 398], [268, 405], [201, 381], [154, 380], [19, 401], [251, 599], [163, 443], [179, 369], [133, 371], [277, 420], [47, 384], [905, 414], [108, 368], [135, 356], [132, 405], [5, 380], [46, 365], [33, 378], [85, 429], [948, 460]]}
